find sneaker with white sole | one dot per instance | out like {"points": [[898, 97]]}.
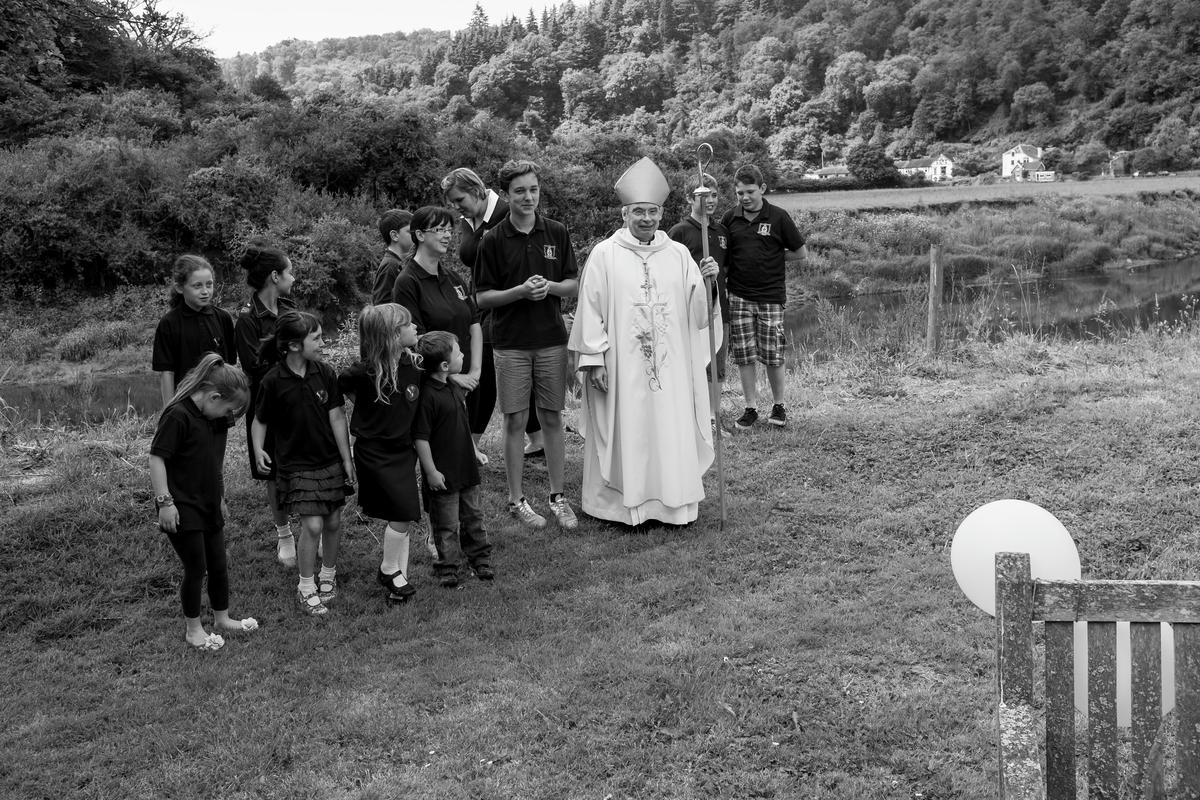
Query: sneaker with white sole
{"points": [[563, 513], [747, 419], [525, 513], [778, 415]]}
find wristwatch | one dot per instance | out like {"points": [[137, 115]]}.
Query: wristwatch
{"points": [[162, 501]]}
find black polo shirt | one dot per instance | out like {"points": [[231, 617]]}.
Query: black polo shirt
{"points": [[468, 253], [255, 325], [297, 411], [193, 449], [688, 234], [508, 258], [438, 302], [389, 423], [385, 277], [755, 262], [184, 335], [442, 421]]}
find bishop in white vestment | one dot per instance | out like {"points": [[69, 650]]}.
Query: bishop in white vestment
{"points": [[641, 336]]}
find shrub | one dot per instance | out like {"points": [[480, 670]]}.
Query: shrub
{"points": [[97, 337], [1088, 256], [24, 345], [835, 284], [967, 266]]}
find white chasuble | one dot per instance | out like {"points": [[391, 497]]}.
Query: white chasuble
{"points": [[643, 315]]}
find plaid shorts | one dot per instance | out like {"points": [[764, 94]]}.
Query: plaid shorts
{"points": [[755, 332]]}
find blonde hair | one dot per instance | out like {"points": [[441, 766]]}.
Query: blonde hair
{"points": [[213, 374], [379, 345]]}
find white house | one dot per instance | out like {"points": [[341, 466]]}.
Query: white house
{"points": [[833, 171], [935, 168], [1015, 161]]}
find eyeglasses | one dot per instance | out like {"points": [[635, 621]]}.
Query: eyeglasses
{"points": [[442, 231]]}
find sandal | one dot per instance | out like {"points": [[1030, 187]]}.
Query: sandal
{"points": [[389, 582], [287, 561], [244, 625], [212, 642], [311, 604], [326, 589]]}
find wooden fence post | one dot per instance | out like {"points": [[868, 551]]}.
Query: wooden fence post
{"points": [[933, 329]]}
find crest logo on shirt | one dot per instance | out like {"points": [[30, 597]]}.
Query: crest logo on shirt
{"points": [[550, 252], [764, 229], [461, 292], [323, 396], [410, 392], [721, 241]]}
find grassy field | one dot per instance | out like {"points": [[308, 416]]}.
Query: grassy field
{"points": [[817, 647], [868, 199]]}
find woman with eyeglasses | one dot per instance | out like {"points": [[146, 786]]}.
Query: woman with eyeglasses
{"points": [[437, 298]]}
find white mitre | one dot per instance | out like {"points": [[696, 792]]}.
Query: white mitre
{"points": [[644, 182]]}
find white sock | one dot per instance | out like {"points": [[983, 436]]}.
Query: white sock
{"points": [[307, 585], [328, 573], [395, 551], [284, 530]]}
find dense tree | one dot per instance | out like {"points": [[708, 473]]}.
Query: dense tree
{"points": [[871, 166]]}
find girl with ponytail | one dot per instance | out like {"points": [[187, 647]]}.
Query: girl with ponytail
{"points": [[269, 273], [186, 462]]}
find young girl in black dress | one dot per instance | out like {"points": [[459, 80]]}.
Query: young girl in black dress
{"points": [[269, 273], [186, 461], [385, 386], [299, 398]]}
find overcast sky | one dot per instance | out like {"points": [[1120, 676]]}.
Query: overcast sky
{"points": [[247, 26]]}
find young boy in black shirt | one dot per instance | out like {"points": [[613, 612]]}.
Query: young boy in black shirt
{"points": [[449, 462]]}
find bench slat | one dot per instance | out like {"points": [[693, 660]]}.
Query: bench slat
{"points": [[1060, 710], [1131, 601], [1187, 707], [1102, 709], [1145, 694]]}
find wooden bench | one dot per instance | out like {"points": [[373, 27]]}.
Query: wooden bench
{"points": [[1021, 601]]}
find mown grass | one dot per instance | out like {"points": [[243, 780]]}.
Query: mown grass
{"points": [[816, 647]]}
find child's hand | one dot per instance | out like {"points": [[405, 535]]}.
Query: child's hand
{"points": [[224, 508], [437, 481], [351, 475], [480, 457], [262, 461], [168, 518]]}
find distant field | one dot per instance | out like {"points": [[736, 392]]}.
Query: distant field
{"points": [[940, 195]]}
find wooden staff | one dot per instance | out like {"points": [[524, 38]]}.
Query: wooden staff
{"points": [[714, 388]]}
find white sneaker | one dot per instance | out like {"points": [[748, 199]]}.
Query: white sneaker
{"points": [[563, 513], [525, 513]]}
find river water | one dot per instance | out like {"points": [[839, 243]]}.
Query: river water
{"points": [[1072, 306]]}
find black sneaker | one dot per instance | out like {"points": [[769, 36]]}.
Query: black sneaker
{"points": [[778, 415], [449, 580], [747, 419], [484, 572]]}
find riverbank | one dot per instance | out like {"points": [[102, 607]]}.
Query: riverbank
{"points": [[816, 647]]}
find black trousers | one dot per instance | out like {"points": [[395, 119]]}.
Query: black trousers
{"points": [[202, 552], [482, 402]]}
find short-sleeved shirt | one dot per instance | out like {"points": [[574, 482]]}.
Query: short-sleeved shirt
{"points": [[442, 421], [688, 234], [468, 253], [184, 335], [256, 324], [390, 423], [297, 409], [508, 258], [755, 262], [385, 277], [439, 301], [193, 448]]}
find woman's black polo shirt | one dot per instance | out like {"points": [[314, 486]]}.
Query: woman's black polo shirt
{"points": [[184, 335], [388, 424], [507, 258], [193, 449], [297, 410], [256, 324], [442, 421], [755, 263], [438, 302]]}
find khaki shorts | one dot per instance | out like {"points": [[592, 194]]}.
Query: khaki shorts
{"points": [[541, 373]]}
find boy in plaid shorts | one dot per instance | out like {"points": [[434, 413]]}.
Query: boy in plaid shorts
{"points": [[762, 237]]}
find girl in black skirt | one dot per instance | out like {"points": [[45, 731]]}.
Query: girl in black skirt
{"points": [[300, 400], [385, 385], [186, 461]]}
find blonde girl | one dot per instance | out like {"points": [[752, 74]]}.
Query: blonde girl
{"points": [[186, 461], [385, 385], [300, 401], [193, 326]]}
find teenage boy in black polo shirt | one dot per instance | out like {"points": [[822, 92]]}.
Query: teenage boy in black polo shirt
{"points": [[688, 233], [526, 264], [761, 238]]}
